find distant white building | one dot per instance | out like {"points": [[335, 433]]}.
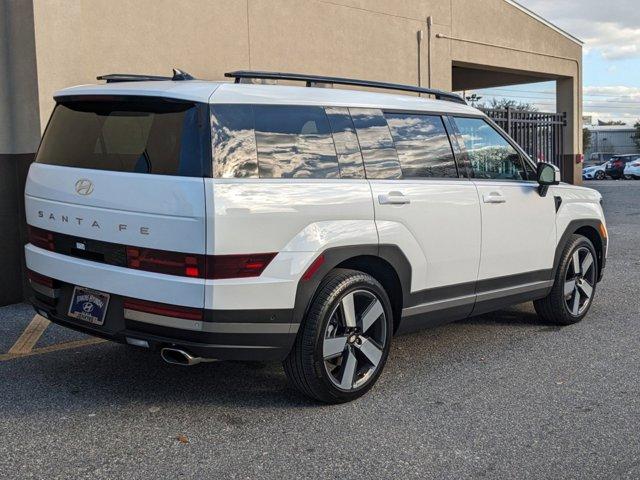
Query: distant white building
{"points": [[610, 140]]}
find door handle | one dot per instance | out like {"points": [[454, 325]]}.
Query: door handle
{"points": [[393, 198], [493, 197]]}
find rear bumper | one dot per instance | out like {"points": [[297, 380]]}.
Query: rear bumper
{"points": [[253, 335]]}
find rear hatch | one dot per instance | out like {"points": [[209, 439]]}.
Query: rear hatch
{"points": [[118, 172]]}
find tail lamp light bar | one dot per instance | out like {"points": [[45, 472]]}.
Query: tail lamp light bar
{"points": [[212, 267], [40, 238]]}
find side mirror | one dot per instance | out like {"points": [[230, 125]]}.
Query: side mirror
{"points": [[548, 174]]}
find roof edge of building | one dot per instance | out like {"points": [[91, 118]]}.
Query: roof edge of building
{"points": [[545, 21]]}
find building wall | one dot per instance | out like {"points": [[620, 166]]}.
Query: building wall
{"points": [[47, 45], [376, 39], [612, 140], [19, 136]]}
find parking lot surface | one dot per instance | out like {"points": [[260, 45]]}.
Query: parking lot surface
{"points": [[496, 396]]}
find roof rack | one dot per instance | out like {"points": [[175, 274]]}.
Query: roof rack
{"points": [[178, 75], [311, 79]]}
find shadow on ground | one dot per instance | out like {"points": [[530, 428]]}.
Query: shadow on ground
{"points": [[107, 374]]}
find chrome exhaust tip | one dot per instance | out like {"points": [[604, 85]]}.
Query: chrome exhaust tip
{"points": [[175, 356]]}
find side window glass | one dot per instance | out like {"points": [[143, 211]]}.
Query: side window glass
{"points": [[423, 146], [233, 141], [294, 142], [489, 154], [378, 151], [346, 142]]}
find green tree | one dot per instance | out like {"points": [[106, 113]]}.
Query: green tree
{"points": [[504, 103], [603, 123], [586, 139], [636, 134]]}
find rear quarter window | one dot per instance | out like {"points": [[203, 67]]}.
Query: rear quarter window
{"points": [[294, 142], [272, 141]]}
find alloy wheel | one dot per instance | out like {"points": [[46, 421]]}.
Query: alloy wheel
{"points": [[354, 340], [579, 281]]}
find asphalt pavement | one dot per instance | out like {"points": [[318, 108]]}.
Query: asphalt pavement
{"points": [[497, 396]]}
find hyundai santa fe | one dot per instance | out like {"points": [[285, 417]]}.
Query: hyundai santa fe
{"points": [[243, 221]]}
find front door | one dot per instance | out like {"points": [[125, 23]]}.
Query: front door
{"points": [[518, 224]]}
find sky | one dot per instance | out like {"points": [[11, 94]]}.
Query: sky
{"points": [[610, 31]]}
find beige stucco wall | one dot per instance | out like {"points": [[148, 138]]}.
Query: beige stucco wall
{"points": [[19, 114], [76, 40]]}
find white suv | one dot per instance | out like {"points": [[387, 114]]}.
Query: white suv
{"points": [[211, 220]]}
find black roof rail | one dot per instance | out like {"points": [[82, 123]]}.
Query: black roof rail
{"points": [[310, 79], [178, 75]]}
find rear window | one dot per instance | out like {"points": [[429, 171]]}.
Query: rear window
{"points": [[156, 137]]}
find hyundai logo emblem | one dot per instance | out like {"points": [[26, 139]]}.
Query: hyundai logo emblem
{"points": [[84, 186]]}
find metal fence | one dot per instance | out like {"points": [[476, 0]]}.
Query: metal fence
{"points": [[539, 134]]}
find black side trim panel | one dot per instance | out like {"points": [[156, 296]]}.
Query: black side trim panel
{"points": [[437, 306], [442, 294], [432, 319], [513, 280], [494, 300]]}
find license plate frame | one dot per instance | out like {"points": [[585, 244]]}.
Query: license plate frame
{"points": [[89, 305]]}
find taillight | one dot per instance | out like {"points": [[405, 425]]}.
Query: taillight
{"points": [[198, 266], [40, 279], [161, 261], [163, 309], [237, 266], [40, 238], [174, 263]]}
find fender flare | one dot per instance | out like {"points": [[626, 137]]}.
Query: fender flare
{"points": [[333, 257], [570, 229]]}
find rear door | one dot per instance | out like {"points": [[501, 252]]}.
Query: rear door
{"points": [[518, 225], [423, 204]]}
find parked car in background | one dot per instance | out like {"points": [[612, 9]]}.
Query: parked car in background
{"points": [[632, 169], [597, 158], [615, 167], [595, 172]]}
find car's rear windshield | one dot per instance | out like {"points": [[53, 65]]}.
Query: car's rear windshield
{"points": [[140, 136]]}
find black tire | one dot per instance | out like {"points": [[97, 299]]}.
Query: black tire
{"points": [[599, 175], [554, 308], [306, 366]]}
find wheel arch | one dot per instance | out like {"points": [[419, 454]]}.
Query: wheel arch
{"points": [[386, 263], [589, 229]]}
